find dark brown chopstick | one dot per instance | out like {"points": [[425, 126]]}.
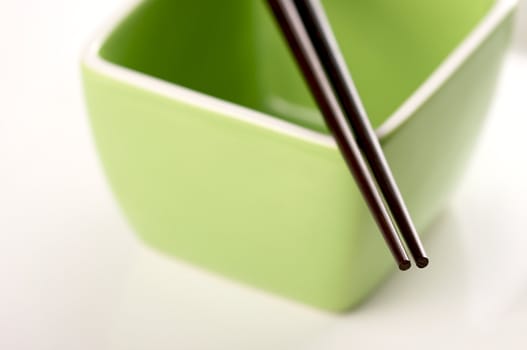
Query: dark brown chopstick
{"points": [[298, 38], [322, 38]]}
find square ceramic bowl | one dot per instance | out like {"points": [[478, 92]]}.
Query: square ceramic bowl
{"points": [[217, 155]]}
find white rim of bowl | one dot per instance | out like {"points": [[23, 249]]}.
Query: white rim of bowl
{"points": [[91, 59]]}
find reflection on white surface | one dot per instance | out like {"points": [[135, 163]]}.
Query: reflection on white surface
{"points": [[73, 276], [166, 303]]}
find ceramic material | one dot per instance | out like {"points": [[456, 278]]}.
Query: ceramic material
{"points": [[208, 166]]}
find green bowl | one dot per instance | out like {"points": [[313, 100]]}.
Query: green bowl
{"points": [[216, 153]]}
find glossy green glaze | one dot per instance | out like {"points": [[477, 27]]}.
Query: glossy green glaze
{"points": [[276, 211], [233, 50], [391, 47]]}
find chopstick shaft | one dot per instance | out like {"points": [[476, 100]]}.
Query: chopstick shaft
{"points": [[305, 54], [325, 44]]}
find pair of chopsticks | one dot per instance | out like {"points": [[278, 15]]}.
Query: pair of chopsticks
{"points": [[307, 31]]}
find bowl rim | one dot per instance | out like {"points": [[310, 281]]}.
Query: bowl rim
{"points": [[92, 60]]}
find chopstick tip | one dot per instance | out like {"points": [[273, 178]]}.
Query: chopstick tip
{"points": [[421, 262], [404, 265]]}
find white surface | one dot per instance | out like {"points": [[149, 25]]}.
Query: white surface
{"points": [[73, 275]]}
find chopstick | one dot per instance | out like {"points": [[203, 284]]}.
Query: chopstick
{"points": [[323, 40], [299, 41]]}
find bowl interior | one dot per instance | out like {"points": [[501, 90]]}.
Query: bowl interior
{"points": [[216, 47]]}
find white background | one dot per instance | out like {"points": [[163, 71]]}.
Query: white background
{"points": [[73, 275]]}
